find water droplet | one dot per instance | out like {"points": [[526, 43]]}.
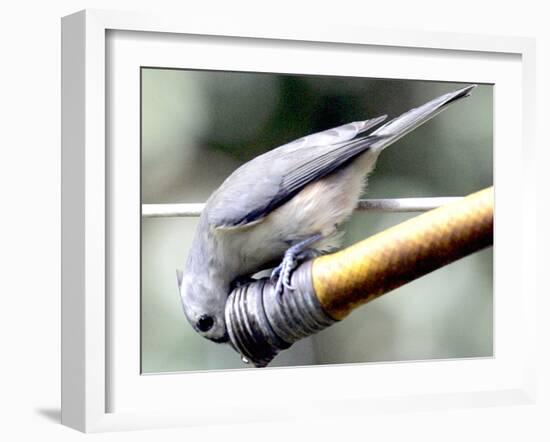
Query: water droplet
{"points": [[245, 359]]}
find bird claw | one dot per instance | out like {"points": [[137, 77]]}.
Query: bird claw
{"points": [[281, 275], [275, 274], [240, 281]]}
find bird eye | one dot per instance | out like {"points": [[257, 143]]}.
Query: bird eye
{"points": [[205, 323]]}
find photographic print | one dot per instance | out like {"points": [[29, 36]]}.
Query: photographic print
{"points": [[280, 196]]}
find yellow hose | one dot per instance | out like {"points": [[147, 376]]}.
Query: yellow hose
{"points": [[360, 273]]}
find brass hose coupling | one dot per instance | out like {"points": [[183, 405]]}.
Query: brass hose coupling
{"points": [[325, 290]]}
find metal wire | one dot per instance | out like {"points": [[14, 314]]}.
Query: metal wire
{"points": [[373, 205]]}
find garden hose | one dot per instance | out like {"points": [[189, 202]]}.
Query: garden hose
{"points": [[326, 289]]}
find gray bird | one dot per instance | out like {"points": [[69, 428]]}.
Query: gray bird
{"points": [[284, 206]]}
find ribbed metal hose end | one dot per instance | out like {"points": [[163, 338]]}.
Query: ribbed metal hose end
{"points": [[261, 324]]}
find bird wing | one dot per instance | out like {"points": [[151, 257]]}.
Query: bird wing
{"points": [[268, 181], [271, 179]]}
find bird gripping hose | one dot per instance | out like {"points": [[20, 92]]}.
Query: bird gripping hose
{"points": [[328, 288]]}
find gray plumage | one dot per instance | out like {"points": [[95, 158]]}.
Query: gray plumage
{"points": [[292, 166], [279, 199]]}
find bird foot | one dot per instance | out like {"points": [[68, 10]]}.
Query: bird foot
{"points": [[240, 281], [298, 253]]}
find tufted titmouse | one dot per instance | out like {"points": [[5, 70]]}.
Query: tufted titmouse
{"points": [[284, 206]]}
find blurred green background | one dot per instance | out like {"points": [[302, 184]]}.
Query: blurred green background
{"points": [[199, 126]]}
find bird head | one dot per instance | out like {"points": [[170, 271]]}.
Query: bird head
{"points": [[204, 306]]}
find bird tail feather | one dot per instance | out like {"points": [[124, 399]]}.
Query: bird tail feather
{"points": [[400, 126]]}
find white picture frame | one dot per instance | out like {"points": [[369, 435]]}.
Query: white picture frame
{"points": [[87, 319]]}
